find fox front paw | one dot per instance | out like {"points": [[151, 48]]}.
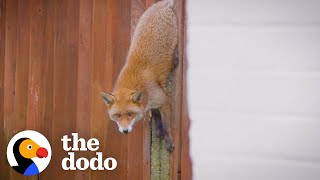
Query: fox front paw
{"points": [[169, 144]]}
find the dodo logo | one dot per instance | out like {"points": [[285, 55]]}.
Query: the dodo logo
{"points": [[29, 152]]}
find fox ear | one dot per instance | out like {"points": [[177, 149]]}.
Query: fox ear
{"points": [[107, 98], [137, 96]]}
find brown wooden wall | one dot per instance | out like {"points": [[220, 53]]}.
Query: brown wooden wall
{"points": [[56, 57]]}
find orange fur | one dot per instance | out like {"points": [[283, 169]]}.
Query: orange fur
{"points": [[148, 65], [150, 57]]}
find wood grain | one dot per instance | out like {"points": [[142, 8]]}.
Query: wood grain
{"points": [[185, 159], [9, 72], [175, 124], [65, 79], [84, 78], [45, 116], [3, 139]]}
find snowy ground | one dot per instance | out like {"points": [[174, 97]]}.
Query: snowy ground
{"points": [[254, 89]]}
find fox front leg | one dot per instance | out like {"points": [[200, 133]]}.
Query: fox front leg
{"points": [[160, 100], [156, 116], [165, 112]]}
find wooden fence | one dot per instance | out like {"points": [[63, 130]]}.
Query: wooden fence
{"points": [[56, 57]]}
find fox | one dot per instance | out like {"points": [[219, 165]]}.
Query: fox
{"points": [[141, 86]]}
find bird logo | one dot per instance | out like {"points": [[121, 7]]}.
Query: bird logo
{"points": [[29, 152]]}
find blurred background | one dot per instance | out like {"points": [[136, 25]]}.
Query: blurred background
{"points": [[254, 84]]}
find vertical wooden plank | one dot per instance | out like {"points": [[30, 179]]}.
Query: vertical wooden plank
{"points": [[146, 149], [9, 73], [45, 120], [4, 168], [21, 71], [84, 77], [37, 37], [186, 164], [59, 72], [65, 78], [178, 116], [116, 142], [84, 67], [22, 63], [9, 66], [101, 75], [159, 157]]}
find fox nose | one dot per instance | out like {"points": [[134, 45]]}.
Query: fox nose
{"points": [[125, 131]]}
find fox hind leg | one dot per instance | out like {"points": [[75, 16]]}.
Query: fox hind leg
{"points": [[161, 131], [165, 112], [156, 115]]}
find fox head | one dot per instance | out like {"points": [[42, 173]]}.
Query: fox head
{"points": [[125, 107]]}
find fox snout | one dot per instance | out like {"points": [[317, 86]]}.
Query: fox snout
{"points": [[126, 126], [125, 130]]}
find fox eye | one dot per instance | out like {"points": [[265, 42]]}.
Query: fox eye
{"points": [[130, 114], [118, 115], [29, 147]]}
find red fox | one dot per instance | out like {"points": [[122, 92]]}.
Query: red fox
{"points": [[142, 83]]}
